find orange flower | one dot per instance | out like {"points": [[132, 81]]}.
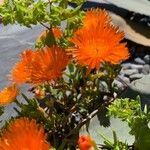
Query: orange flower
{"points": [[8, 94], [98, 41], [23, 134], [20, 72], [57, 32], [96, 17], [85, 142], [39, 92], [48, 65], [40, 66]]}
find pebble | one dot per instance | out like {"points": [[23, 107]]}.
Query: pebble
{"points": [[129, 72], [138, 60], [122, 78], [146, 69], [133, 70], [136, 76], [118, 84], [103, 86], [147, 59], [132, 66]]}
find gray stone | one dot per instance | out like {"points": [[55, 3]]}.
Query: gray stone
{"points": [[123, 79], [143, 84], [136, 76], [129, 72], [146, 69], [118, 84], [147, 59], [138, 60], [126, 65], [140, 87], [131, 66], [103, 86]]}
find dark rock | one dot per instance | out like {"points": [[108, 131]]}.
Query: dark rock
{"points": [[138, 60], [147, 59], [136, 76]]}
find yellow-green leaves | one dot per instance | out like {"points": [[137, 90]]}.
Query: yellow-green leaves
{"points": [[29, 12], [137, 119]]}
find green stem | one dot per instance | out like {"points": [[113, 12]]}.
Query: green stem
{"points": [[50, 8]]}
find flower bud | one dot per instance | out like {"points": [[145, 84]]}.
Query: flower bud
{"points": [[85, 143]]}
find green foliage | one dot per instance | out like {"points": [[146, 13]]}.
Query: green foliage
{"points": [[49, 14], [31, 109], [116, 144], [1, 110], [24, 12], [28, 12], [137, 119], [125, 108]]}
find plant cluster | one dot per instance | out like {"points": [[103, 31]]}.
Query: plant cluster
{"points": [[70, 71], [130, 110]]}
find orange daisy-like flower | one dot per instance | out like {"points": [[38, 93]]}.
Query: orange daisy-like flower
{"points": [[85, 142], [96, 17], [98, 41], [20, 72], [8, 94], [40, 66], [48, 65], [23, 134]]}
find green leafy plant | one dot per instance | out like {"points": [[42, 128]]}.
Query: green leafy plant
{"points": [[137, 119], [116, 144]]}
